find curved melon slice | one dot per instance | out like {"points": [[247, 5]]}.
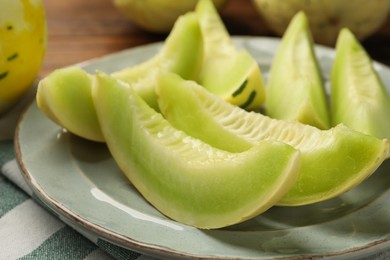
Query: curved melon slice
{"points": [[228, 72], [295, 90], [182, 53], [65, 97], [358, 96], [183, 177], [333, 161], [65, 94]]}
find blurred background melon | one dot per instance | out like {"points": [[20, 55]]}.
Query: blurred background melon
{"points": [[23, 39], [327, 17], [157, 15]]}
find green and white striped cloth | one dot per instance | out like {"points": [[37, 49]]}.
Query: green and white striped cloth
{"points": [[28, 231]]}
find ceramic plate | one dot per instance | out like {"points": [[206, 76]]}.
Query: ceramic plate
{"points": [[79, 181]]}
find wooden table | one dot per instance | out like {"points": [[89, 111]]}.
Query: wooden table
{"points": [[81, 30]]}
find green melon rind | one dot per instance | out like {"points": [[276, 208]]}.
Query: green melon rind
{"points": [[65, 94], [358, 96], [228, 72], [333, 161], [295, 89], [183, 177]]}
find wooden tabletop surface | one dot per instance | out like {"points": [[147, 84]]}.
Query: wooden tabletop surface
{"points": [[82, 30]]}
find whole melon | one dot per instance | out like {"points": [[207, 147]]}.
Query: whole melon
{"points": [[23, 38], [157, 15], [327, 17]]}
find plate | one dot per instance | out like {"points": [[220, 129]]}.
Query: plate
{"points": [[79, 181]]}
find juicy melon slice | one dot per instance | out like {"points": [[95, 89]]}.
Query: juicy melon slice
{"points": [[228, 72], [358, 95], [333, 161], [182, 53], [65, 97], [295, 90], [65, 94], [183, 177]]}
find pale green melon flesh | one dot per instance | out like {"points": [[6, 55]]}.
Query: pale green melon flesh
{"points": [[65, 97], [183, 109], [333, 161], [182, 53], [228, 72], [185, 178], [358, 96], [65, 94], [295, 90]]}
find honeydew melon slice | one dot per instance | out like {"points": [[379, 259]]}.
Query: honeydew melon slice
{"points": [[228, 72], [65, 94], [295, 89], [358, 95], [65, 97], [333, 161], [182, 53], [183, 177]]}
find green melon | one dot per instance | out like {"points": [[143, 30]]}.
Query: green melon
{"points": [[65, 97], [65, 94], [295, 90], [358, 96], [182, 53], [157, 15], [333, 161], [327, 17], [228, 72], [183, 177]]}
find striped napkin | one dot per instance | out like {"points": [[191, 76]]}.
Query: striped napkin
{"points": [[28, 231]]}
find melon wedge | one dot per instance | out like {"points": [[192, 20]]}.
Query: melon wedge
{"points": [[65, 97], [333, 161], [182, 53], [358, 96], [295, 90], [65, 94], [228, 72], [183, 177]]}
